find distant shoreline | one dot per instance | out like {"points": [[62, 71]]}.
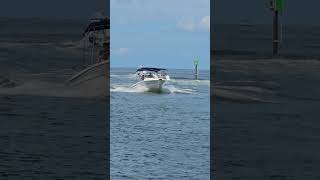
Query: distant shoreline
{"points": [[166, 68], [252, 55]]}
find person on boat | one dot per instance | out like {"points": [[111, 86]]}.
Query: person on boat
{"points": [[142, 77]]}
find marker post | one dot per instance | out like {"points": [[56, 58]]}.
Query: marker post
{"points": [[277, 7], [196, 72]]}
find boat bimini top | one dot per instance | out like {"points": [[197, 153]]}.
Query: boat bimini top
{"points": [[151, 69]]}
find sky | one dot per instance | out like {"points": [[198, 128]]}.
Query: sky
{"points": [[257, 12], [160, 33], [58, 9]]}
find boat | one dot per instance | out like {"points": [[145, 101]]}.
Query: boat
{"points": [[151, 79], [93, 76]]}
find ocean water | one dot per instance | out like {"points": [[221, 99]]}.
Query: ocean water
{"points": [[265, 109], [48, 130], [266, 119], [160, 135], [295, 40]]}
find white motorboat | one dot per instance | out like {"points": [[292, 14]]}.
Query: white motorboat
{"points": [[93, 77], [151, 79]]}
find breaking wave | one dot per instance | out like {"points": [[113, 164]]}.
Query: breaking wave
{"points": [[173, 89], [46, 88], [127, 89], [167, 89]]}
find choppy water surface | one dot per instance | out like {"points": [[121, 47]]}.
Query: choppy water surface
{"points": [[48, 130], [160, 135], [267, 119]]}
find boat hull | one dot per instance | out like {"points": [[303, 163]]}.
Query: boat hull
{"points": [[150, 85], [94, 80]]}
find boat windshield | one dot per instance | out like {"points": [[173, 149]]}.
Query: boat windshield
{"points": [[152, 73]]}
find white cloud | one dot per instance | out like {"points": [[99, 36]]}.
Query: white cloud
{"points": [[205, 22], [187, 25], [120, 51], [192, 25], [144, 11]]}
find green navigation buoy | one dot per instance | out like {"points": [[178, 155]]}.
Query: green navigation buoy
{"points": [[196, 72], [279, 5]]}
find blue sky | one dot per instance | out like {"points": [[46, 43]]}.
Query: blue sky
{"points": [[160, 33]]}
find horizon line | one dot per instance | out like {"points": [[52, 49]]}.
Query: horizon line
{"points": [[165, 68]]}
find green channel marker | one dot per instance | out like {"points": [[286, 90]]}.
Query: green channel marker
{"points": [[196, 61], [196, 72], [279, 5]]}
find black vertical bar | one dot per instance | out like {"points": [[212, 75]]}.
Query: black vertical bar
{"points": [[196, 71], [275, 32]]}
